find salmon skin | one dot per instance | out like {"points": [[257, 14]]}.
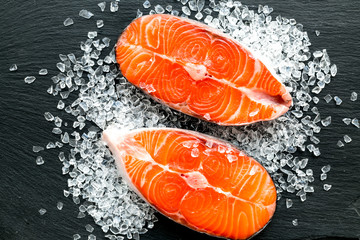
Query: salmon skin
{"points": [[196, 180], [199, 71]]}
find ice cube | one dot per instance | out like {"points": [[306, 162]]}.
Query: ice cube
{"points": [[347, 139], [327, 187], [337, 100], [326, 168], [289, 203], [39, 160], [99, 23], [42, 211], [43, 72], [186, 10], [340, 144], [353, 96], [68, 22], [347, 121], [13, 68], [29, 79], [295, 222], [323, 176], [146, 4], [89, 228], [327, 98], [37, 149], [59, 205], [326, 122], [355, 122], [102, 6], [86, 14], [159, 9]]}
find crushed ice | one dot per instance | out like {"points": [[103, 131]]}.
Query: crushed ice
{"points": [[104, 97]]}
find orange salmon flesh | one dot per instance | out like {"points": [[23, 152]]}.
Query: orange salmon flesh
{"points": [[196, 180], [199, 71]]}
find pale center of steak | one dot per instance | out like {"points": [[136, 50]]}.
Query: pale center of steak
{"points": [[196, 71]]}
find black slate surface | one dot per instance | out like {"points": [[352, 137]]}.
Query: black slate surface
{"points": [[32, 36]]}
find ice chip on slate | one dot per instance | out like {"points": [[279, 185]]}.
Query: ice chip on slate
{"points": [[309, 189], [62, 57], [309, 172], [326, 122], [37, 149], [316, 90], [193, 5], [43, 72], [50, 145], [295, 222], [327, 98], [85, 14], [159, 9], [99, 23], [92, 34], [39, 160], [65, 138], [61, 66], [168, 8], [355, 122], [76, 236], [323, 176], [29, 79], [48, 116], [68, 22], [315, 99], [42, 211], [347, 139], [318, 54], [317, 152], [317, 33], [56, 131], [333, 70], [89, 228], [326, 168], [200, 5], [303, 197], [353, 96], [146, 4], [289, 203], [13, 68], [198, 15], [59, 205], [327, 187], [337, 100], [340, 144], [114, 7], [60, 104], [186, 10], [139, 13], [93, 237], [102, 6], [347, 121]]}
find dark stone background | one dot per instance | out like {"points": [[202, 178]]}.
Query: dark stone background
{"points": [[32, 35]]}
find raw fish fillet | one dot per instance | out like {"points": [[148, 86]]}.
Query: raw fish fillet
{"points": [[199, 71], [196, 180]]}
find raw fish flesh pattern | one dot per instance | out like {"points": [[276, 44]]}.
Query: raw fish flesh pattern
{"points": [[199, 71], [196, 180]]}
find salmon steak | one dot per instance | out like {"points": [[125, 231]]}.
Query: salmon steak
{"points": [[196, 180], [199, 71]]}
